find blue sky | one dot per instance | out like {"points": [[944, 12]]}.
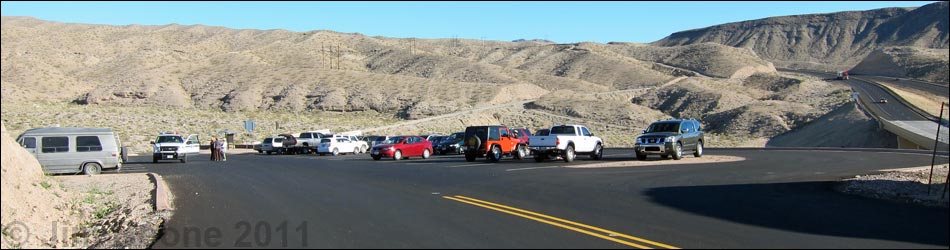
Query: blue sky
{"points": [[563, 22]]}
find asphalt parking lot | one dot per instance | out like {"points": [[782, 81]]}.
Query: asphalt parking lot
{"points": [[759, 199]]}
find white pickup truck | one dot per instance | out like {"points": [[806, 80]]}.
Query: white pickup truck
{"points": [[566, 141], [168, 146]]}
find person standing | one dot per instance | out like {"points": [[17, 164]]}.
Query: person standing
{"points": [[215, 153], [224, 149]]}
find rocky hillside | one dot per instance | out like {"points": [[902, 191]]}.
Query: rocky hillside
{"points": [[234, 70], [931, 65], [205, 79], [828, 42]]}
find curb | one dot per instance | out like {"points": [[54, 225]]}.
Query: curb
{"points": [[162, 194]]}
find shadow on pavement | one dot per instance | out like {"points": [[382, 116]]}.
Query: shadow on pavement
{"points": [[810, 207]]}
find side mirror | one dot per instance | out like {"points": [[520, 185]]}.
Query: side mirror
{"points": [[151, 142], [591, 134], [644, 131]]}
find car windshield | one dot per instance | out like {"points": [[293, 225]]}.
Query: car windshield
{"points": [[394, 140], [381, 138], [661, 127], [169, 139]]}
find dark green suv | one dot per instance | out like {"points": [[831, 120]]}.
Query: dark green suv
{"points": [[670, 138]]}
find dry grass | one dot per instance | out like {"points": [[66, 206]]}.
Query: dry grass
{"points": [[137, 125]]}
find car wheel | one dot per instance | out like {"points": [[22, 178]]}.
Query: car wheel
{"points": [[92, 168], [520, 154], [678, 151], [641, 157], [184, 158], [539, 157], [425, 154], [336, 151], [569, 153], [154, 159], [363, 150], [495, 154], [699, 150], [470, 157], [598, 153], [397, 155]]}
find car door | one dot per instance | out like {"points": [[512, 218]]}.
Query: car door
{"points": [[689, 139], [192, 144], [587, 141]]}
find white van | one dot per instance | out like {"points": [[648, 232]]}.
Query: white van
{"points": [[73, 150]]}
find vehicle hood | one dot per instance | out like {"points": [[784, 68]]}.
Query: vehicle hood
{"points": [[660, 134], [451, 142], [384, 146]]}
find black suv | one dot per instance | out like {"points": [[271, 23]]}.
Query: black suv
{"points": [[670, 138]]}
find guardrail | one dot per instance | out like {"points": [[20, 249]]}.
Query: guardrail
{"points": [[919, 139]]}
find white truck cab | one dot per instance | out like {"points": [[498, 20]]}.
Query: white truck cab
{"points": [[173, 146], [566, 141]]}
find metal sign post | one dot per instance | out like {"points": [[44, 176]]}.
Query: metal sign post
{"points": [[934, 157]]}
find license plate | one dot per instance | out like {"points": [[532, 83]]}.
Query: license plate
{"points": [[169, 156], [375, 152]]}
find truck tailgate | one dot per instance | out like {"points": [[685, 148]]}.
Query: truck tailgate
{"points": [[543, 141]]}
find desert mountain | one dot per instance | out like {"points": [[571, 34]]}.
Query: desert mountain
{"points": [[214, 67], [175, 77], [913, 62], [828, 42]]}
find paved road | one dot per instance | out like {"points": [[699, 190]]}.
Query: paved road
{"points": [[772, 199], [936, 89], [870, 93]]}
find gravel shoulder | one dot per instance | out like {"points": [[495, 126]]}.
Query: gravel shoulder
{"points": [[908, 185], [117, 210]]}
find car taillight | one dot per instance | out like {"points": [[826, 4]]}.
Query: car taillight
{"points": [[557, 141]]}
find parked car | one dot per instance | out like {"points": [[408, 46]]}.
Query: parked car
{"points": [[337, 146], [288, 144], [523, 134], [272, 145], [377, 140], [451, 144], [402, 147], [171, 146], [73, 150], [258, 146], [670, 138], [492, 142], [567, 141]]}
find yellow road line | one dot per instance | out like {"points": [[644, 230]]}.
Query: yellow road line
{"points": [[527, 214], [572, 223]]}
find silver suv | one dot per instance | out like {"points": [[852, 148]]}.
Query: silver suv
{"points": [[670, 138]]}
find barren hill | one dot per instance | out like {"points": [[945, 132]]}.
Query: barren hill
{"points": [[832, 41], [931, 65], [186, 76]]}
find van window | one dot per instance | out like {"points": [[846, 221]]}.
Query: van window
{"points": [[88, 144], [58, 144], [28, 142]]}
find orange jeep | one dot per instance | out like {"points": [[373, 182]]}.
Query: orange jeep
{"points": [[492, 142]]}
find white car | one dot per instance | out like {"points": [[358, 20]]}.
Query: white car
{"points": [[168, 146], [337, 145]]}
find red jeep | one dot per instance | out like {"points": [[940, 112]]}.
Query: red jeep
{"points": [[493, 142]]}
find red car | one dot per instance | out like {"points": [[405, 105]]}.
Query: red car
{"points": [[402, 147]]}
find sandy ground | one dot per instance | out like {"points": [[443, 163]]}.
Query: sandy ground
{"points": [[657, 161], [117, 210]]}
